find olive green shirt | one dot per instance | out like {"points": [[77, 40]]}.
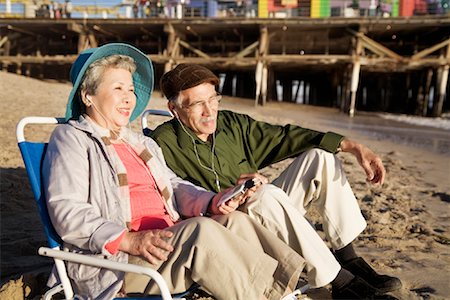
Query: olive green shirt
{"points": [[242, 145]]}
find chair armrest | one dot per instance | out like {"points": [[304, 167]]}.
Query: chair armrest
{"points": [[112, 265], [155, 112]]}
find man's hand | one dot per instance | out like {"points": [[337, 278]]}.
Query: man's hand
{"points": [[259, 177], [227, 207], [369, 161], [259, 180], [150, 244], [233, 204]]}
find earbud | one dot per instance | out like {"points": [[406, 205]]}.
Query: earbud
{"points": [[173, 112], [88, 100]]}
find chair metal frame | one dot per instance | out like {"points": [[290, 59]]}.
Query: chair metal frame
{"points": [[155, 112], [33, 154]]}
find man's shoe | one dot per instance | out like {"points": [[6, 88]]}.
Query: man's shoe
{"points": [[384, 283], [359, 289]]}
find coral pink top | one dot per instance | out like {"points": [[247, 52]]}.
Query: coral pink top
{"points": [[147, 206]]}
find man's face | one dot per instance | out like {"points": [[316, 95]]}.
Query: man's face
{"points": [[198, 109]]}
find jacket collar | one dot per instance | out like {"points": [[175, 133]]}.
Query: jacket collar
{"points": [[85, 123]]}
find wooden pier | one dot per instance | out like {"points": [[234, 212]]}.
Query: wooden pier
{"points": [[385, 64]]}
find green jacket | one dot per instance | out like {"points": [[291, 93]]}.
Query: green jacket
{"points": [[243, 145]]}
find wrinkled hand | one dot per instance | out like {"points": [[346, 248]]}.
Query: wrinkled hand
{"points": [[227, 207], [150, 244], [260, 180], [233, 204], [369, 161], [245, 177]]}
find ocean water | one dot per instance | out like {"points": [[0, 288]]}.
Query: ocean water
{"points": [[442, 123], [432, 134]]}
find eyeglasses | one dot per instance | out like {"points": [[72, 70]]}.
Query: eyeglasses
{"points": [[213, 102]]}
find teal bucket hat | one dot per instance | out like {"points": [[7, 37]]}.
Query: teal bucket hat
{"points": [[142, 77]]}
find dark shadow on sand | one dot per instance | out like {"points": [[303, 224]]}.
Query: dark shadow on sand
{"points": [[21, 229], [443, 196]]}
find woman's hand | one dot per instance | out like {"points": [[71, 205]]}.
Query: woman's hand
{"points": [[235, 202], [150, 244], [226, 207]]}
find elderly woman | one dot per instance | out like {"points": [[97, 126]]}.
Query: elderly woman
{"points": [[110, 194]]}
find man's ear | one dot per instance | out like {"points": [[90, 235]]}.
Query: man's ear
{"points": [[171, 107]]}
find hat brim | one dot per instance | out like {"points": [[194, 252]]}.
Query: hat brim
{"points": [[142, 78]]}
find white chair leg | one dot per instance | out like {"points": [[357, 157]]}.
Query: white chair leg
{"points": [[53, 291], [65, 281]]}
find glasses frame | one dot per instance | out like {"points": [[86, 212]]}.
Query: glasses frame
{"points": [[213, 101]]}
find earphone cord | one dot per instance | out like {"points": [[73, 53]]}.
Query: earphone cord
{"points": [[106, 120], [126, 143], [212, 169]]}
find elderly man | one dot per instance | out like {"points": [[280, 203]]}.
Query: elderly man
{"points": [[218, 149]]}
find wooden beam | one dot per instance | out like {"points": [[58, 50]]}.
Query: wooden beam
{"points": [[3, 41], [261, 67], [13, 28], [247, 50], [442, 82], [195, 50], [171, 38], [92, 40], [430, 50], [148, 32], [86, 40], [379, 48], [107, 32], [82, 42], [190, 30], [355, 76], [250, 48], [426, 92], [54, 59], [373, 49], [72, 26], [308, 58]]}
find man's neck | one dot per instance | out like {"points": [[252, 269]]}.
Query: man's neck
{"points": [[204, 137]]}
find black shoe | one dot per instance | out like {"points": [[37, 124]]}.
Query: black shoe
{"points": [[384, 283], [359, 289]]}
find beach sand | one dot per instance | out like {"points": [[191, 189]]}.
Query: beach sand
{"points": [[408, 233]]}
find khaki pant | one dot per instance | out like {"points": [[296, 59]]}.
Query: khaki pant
{"points": [[231, 257], [315, 178]]}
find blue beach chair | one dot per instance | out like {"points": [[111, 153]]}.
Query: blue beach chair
{"points": [[33, 154]]}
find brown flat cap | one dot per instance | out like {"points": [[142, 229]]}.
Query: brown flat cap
{"points": [[183, 77]]}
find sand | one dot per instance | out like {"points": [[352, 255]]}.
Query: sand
{"points": [[409, 217]]}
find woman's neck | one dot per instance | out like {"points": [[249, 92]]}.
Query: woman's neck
{"points": [[114, 135]]}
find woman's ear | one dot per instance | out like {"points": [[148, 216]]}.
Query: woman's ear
{"points": [[85, 98]]}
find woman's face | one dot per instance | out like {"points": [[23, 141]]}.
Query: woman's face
{"points": [[114, 101]]}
